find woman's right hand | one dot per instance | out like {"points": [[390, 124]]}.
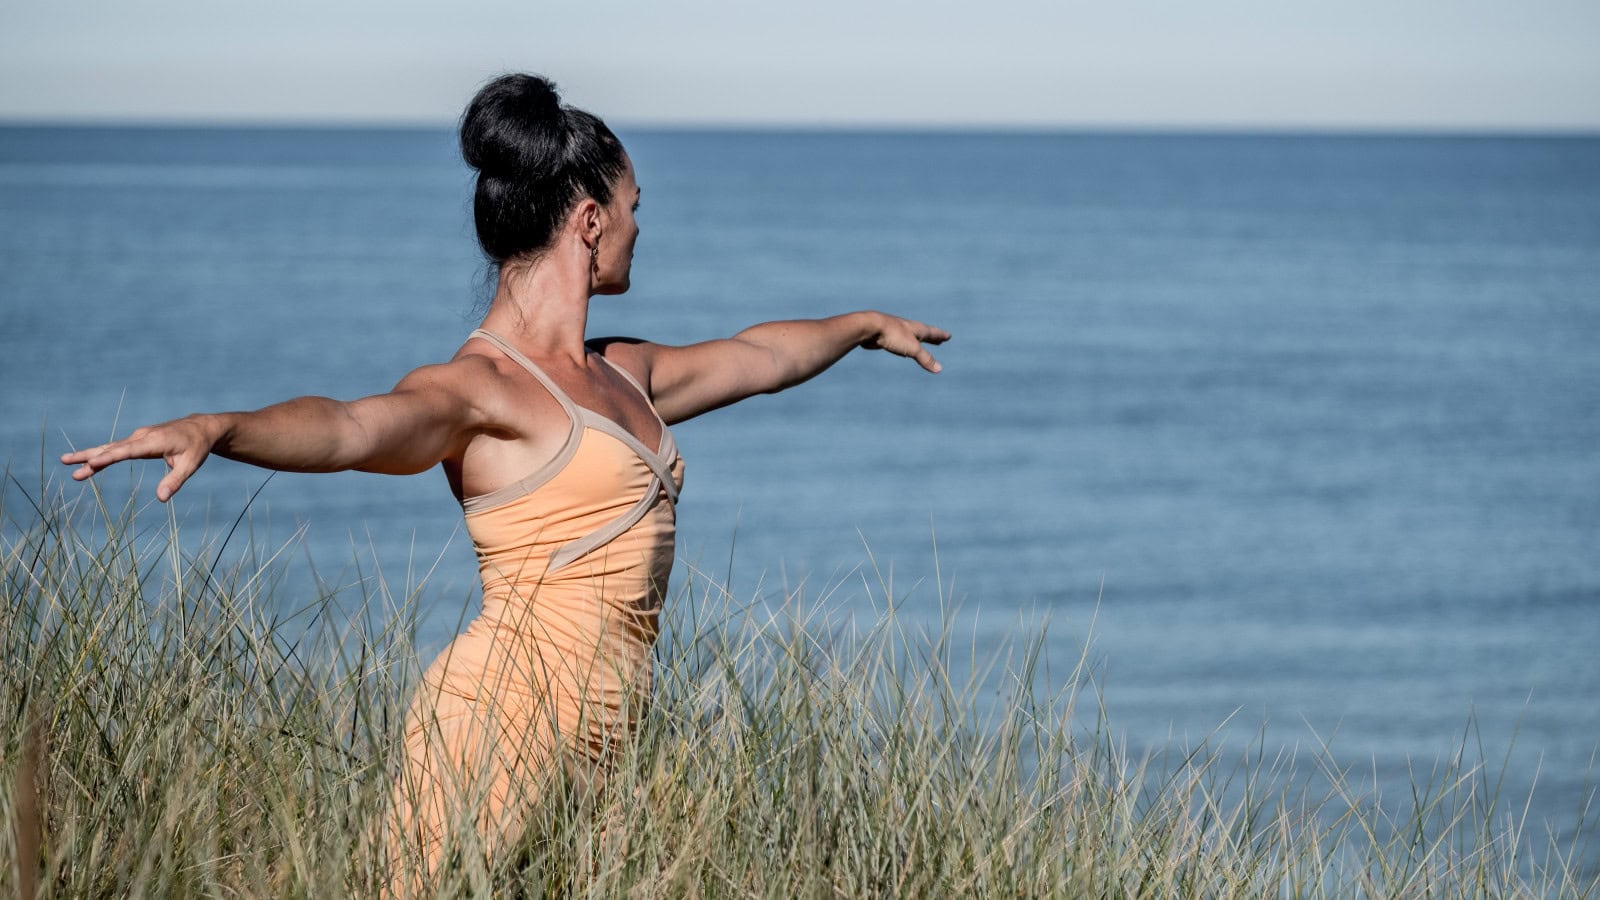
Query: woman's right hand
{"points": [[184, 444]]}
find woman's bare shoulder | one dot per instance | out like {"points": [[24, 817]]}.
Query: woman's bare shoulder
{"points": [[503, 392], [465, 373], [636, 355]]}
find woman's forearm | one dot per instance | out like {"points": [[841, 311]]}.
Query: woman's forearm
{"points": [[802, 349], [306, 434], [772, 356]]}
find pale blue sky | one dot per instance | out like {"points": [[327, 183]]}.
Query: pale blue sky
{"points": [[1467, 64]]}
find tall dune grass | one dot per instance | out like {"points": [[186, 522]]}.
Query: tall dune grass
{"points": [[175, 728]]}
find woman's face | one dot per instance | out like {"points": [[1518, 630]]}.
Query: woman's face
{"points": [[614, 261]]}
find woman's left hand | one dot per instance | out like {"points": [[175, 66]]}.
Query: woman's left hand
{"points": [[906, 337]]}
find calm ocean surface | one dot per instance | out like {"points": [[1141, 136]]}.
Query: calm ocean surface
{"points": [[1308, 426]]}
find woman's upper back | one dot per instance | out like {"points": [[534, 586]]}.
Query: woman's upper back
{"points": [[530, 411]]}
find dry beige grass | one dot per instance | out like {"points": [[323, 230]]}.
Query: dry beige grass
{"points": [[196, 736]]}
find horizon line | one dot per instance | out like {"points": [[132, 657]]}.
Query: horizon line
{"points": [[819, 126]]}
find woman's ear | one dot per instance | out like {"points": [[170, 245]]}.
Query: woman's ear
{"points": [[588, 218]]}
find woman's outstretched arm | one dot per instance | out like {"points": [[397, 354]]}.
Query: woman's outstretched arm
{"points": [[426, 418], [687, 381]]}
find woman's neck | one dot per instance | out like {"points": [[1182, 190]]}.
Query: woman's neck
{"points": [[543, 307]]}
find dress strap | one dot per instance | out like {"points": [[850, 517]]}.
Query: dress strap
{"points": [[569, 448], [633, 381], [504, 346]]}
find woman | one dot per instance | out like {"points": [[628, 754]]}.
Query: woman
{"points": [[557, 448]]}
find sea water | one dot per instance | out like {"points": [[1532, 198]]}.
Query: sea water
{"points": [[1298, 430]]}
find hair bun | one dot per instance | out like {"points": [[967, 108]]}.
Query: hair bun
{"points": [[514, 127], [535, 157]]}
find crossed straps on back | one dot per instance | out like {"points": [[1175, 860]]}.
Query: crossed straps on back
{"points": [[659, 461]]}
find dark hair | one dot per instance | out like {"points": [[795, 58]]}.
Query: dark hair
{"points": [[535, 158]]}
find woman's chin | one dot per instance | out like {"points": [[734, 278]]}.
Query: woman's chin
{"points": [[614, 287]]}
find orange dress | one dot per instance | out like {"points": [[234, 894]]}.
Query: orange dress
{"points": [[574, 560]]}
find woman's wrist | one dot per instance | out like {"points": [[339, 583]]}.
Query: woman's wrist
{"points": [[217, 427], [868, 327]]}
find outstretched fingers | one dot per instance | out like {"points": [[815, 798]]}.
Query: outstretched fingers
{"points": [[180, 466], [926, 360], [909, 338], [92, 459], [927, 334], [182, 450], [931, 335]]}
